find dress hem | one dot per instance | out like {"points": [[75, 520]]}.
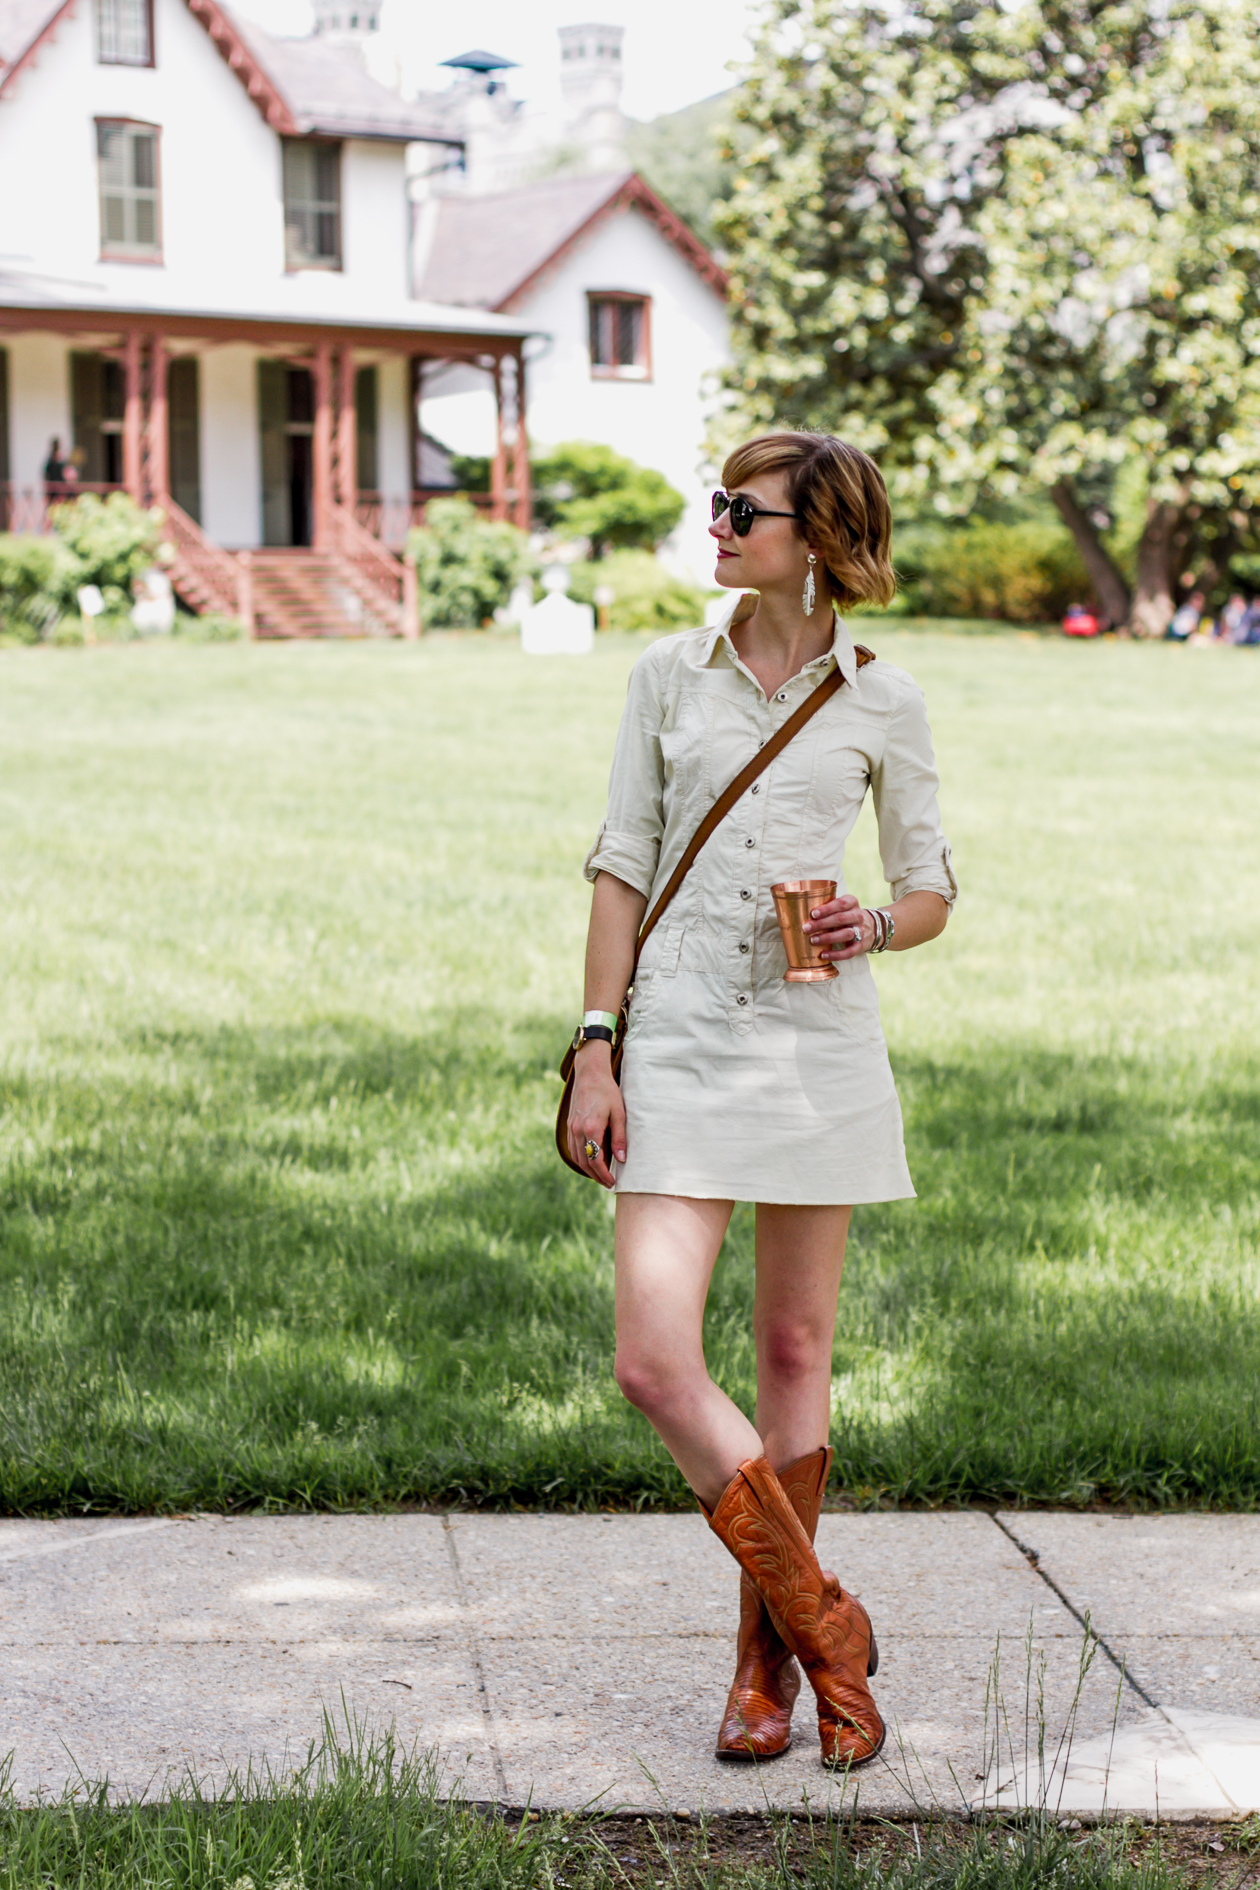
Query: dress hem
{"points": [[714, 1192]]}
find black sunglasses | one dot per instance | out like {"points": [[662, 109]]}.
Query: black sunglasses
{"points": [[742, 512]]}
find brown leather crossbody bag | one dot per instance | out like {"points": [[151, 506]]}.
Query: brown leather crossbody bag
{"points": [[708, 826]]}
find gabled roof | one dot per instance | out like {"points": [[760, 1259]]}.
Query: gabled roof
{"points": [[24, 26], [486, 252], [302, 87]]}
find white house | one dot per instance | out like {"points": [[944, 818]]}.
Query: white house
{"points": [[205, 286], [213, 296]]}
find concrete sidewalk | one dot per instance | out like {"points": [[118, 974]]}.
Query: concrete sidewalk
{"points": [[578, 1660]]}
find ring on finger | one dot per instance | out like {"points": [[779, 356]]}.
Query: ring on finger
{"points": [[589, 1149], [857, 935]]}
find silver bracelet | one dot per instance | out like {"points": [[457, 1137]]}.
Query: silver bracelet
{"points": [[890, 928]]}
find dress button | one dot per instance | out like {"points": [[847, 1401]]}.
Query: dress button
{"points": [[745, 894], [742, 998], [750, 843], [744, 947], [756, 787], [782, 696]]}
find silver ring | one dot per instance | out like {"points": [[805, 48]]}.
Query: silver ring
{"points": [[857, 935]]}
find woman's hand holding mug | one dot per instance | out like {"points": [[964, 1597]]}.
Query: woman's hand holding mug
{"points": [[841, 928]]}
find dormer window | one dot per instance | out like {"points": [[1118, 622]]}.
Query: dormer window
{"points": [[620, 336], [312, 205], [124, 32]]}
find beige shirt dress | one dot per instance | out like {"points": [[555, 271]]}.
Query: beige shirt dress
{"points": [[739, 1086]]}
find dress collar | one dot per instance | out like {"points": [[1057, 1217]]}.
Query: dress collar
{"points": [[741, 606]]}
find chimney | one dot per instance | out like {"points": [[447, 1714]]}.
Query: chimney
{"points": [[590, 85]]}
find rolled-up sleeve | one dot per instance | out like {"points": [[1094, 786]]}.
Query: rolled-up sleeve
{"points": [[912, 845], [629, 841]]}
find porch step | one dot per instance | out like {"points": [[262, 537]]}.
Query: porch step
{"points": [[300, 593]]}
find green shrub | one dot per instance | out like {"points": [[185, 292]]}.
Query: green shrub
{"points": [[36, 577], [113, 541], [584, 490], [645, 595], [212, 628], [1028, 571], [466, 564]]}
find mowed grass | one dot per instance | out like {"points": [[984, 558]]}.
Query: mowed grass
{"points": [[292, 942]]}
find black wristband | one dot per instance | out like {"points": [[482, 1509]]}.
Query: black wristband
{"points": [[586, 1032]]}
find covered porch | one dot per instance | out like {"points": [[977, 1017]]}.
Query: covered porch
{"points": [[285, 454]]}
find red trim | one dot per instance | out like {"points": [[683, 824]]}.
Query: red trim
{"points": [[47, 32], [95, 323], [631, 193], [233, 50]]}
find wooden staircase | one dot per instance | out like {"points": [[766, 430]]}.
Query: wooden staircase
{"points": [[309, 594], [351, 587]]}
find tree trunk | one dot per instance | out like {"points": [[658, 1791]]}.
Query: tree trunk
{"points": [[1109, 587], [1153, 600]]}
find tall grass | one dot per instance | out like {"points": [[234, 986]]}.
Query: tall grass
{"points": [[293, 941], [362, 1814]]}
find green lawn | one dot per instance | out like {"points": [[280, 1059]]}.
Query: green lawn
{"points": [[292, 942]]}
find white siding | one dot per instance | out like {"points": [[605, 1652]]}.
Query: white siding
{"points": [[39, 402], [231, 506], [222, 195], [393, 440]]}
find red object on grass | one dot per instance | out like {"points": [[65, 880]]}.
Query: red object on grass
{"points": [[1078, 621]]}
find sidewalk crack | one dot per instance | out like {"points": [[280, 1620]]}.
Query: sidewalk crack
{"points": [[1033, 1558], [474, 1657]]}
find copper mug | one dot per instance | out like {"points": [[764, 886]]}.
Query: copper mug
{"points": [[794, 900]]}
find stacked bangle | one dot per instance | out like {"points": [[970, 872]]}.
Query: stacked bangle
{"points": [[885, 928]]}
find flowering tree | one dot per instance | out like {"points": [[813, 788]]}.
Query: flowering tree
{"points": [[1014, 248]]}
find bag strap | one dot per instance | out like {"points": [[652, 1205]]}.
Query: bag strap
{"points": [[740, 786]]}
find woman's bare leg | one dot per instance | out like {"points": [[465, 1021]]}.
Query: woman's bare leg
{"points": [[800, 1256], [666, 1249]]}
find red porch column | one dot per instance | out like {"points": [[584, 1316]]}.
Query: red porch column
{"points": [[133, 416], [157, 432], [347, 433], [498, 468], [522, 509], [321, 447]]}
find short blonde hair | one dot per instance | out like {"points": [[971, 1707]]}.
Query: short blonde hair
{"points": [[841, 503]]}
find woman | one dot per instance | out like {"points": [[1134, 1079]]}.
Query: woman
{"points": [[737, 1086]]}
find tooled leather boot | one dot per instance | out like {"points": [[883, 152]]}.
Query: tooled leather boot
{"points": [[828, 1630], [757, 1723]]}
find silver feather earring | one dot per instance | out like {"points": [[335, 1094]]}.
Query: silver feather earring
{"points": [[809, 593]]}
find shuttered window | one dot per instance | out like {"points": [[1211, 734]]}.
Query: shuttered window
{"points": [[127, 159], [619, 336], [124, 32], [312, 205]]}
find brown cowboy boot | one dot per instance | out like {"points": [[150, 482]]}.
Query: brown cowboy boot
{"points": [[757, 1723], [828, 1630]]}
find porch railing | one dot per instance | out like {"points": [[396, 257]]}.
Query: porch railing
{"points": [[206, 576], [27, 508], [386, 584], [390, 519]]}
